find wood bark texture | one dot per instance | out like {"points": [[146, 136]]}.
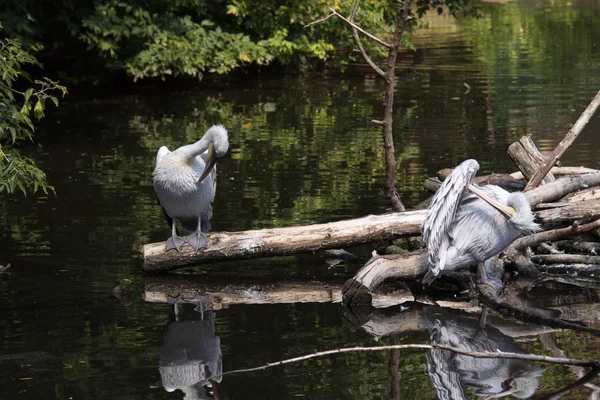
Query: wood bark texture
{"points": [[527, 157]]}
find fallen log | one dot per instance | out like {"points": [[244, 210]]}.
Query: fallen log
{"points": [[587, 194], [560, 212], [284, 241], [561, 187], [578, 246]]}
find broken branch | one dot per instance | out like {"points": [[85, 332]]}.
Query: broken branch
{"points": [[362, 50], [560, 149], [361, 30]]}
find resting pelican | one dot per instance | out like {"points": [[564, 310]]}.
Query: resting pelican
{"points": [[465, 229], [185, 184]]}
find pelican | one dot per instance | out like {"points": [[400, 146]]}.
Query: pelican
{"points": [[185, 184], [467, 229]]}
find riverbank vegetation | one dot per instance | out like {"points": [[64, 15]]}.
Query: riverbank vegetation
{"points": [[84, 43]]}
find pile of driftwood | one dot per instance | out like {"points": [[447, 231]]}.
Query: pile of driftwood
{"points": [[567, 208]]}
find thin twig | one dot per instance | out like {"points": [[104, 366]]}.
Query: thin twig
{"points": [[475, 354], [319, 20], [361, 30], [564, 144], [362, 50]]}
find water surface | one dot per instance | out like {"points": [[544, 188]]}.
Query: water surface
{"points": [[303, 151]]}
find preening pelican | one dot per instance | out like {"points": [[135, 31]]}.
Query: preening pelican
{"points": [[185, 182], [467, 229]]}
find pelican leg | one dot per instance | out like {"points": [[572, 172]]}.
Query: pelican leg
{"points": [[490, 273], [197, 239], [175, 242]]}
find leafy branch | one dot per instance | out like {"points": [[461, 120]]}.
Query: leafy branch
{"points": [[17, 108]]}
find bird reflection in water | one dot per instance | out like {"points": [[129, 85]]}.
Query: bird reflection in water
{"points": [[190, 354], [451, 374]]}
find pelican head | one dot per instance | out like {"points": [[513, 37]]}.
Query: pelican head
{"points": [[523, 217], [217, 144]]}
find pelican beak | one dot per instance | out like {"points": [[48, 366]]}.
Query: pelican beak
{"points": [[504, 210], [210, 163]]}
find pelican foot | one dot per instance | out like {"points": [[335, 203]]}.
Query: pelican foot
{"points": [[494, 283], [175, 242], [197, 240]]}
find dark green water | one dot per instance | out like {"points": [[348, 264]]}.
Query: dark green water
{"points": [[302, 151]]}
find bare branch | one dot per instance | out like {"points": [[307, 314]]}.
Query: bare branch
{"points": [[361, 30], [566, 259], [319, 20], [359, 43], [554, 234], [517, 356], [564, 144], [561, 171]]}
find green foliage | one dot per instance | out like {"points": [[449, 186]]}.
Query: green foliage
{"points": [[18, 172], [149, 38], [16, 111]]}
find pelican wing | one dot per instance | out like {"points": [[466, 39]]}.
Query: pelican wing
{"points": [[441, 365], [442, 211]]}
